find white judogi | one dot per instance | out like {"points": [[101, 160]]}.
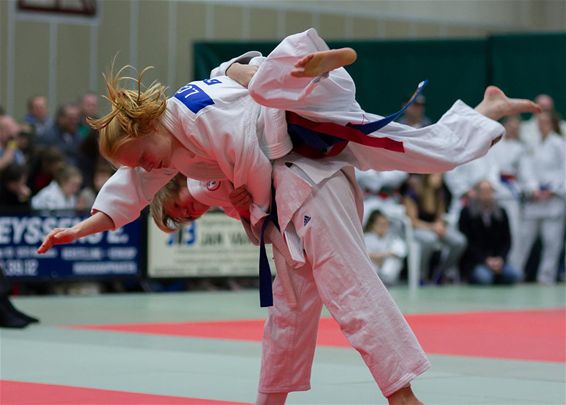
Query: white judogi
{"points": [[529, 132], [514, 170], [319, 210], [226, 135], [546, 218], [52, 198], [389, 270]]}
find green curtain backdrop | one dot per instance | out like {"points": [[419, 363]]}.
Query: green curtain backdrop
{"points": [[528, 65], [388, 71]]}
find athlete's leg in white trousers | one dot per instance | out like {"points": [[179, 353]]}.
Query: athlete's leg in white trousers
{"points": [[348, 286]]}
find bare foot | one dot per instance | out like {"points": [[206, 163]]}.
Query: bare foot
{"points": [[496, 104], [318, 63], [404, 396]]}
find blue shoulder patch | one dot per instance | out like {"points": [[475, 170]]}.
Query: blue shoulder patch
{"points": [[193, 97]]}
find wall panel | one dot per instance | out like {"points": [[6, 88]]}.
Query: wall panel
{"points": [[73, 62], [31, 64]]}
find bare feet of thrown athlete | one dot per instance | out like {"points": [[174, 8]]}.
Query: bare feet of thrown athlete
{"points": [[404, 396], [496, 104], [317, 63]]}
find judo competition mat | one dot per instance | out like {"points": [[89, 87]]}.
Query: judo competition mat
{"points": [[496, 345]]}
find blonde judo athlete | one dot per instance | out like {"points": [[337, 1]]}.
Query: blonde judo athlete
{"points": [[216, 129]]}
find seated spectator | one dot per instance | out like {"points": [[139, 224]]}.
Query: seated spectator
{"points": [[63, 134], [61, 193], [486, 227], [90, 157], [42, 170], [544, 209], [425, 202], [9, 152], [386, 249], [38, 115], [89, 108], [14, 192], [102, 173]]}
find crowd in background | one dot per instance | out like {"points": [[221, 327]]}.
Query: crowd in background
{"points": [[477, 223], [499, 219]]}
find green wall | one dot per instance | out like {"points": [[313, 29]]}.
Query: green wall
{"points": [[387, 71]]}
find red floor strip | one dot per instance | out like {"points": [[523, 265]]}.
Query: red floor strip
{"points": [[538, 335], [23, 393]]}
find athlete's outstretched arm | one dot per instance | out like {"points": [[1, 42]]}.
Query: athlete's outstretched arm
{"points": [[98, 222]]}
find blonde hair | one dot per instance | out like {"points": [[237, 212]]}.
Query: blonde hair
{"points": [[158, 207], [134, 112]]}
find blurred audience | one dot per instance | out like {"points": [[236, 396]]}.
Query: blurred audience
{"points": [[414, 115], [382, 191], [544, 208], [37, 116], [386, 249], [486, 227], [62, 192], [64, 133], [42, 170], [89, 108], [529, 131], [14, 192], [425, 202], [9, 151], [514, 170], [102, 173]]}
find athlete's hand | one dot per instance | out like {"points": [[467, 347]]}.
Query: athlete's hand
{"points": [[58, 236], [241, 73]]}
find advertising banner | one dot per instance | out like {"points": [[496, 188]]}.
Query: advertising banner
{"points": [[107, 254], [214, 245]]}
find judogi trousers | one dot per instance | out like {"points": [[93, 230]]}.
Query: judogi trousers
{"points": [[339, 274]]}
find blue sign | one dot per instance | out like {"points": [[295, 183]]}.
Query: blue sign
{"points": [[107, 254]]}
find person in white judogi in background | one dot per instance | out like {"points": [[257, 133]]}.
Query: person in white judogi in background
{"points": [[386, 249], [529, 131], [544, 209], [514, 172], [213, 130], [381, 191]]}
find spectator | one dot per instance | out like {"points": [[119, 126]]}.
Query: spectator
{"points": [[381, 191], [90, 157], [102, 173], [61, 193], [63, 133], [486, 227], [14, 192], [89, 108], [514, 170], [529, 132], [544, 209], [425, 202], [49, 160], [386, 250], [14, 195], [414, 116], [38, 115], [9, 152]]}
